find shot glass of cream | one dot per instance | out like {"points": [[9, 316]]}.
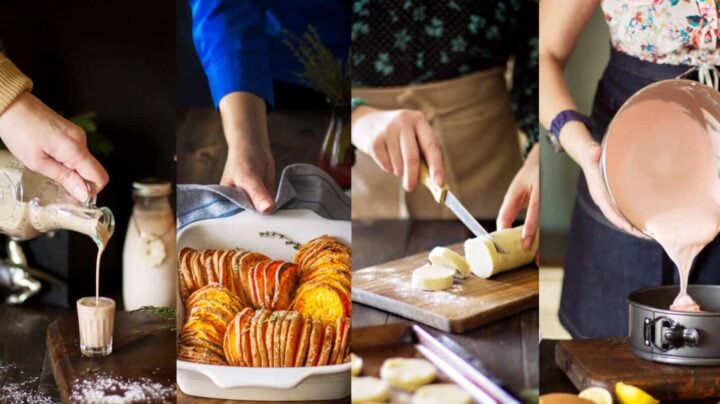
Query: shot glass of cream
{"points": [[95, 319]]}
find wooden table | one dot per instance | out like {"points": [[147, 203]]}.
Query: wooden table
{"points": [[508, 348], [553, 379], [25, 369]]}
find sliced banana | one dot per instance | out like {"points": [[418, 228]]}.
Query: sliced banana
{"points": [[356, 364], [432, 277], [446, 393], [448, 258], [407, 373], [369, 389]]}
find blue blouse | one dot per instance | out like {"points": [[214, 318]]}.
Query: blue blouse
{"points": [[240, 42]]}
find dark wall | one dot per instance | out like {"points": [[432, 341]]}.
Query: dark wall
{"points": [[192, 89], [115, 57]]}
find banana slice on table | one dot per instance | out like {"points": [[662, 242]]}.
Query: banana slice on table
{"points": [[356, 364], [448, 258], [432, 277]]}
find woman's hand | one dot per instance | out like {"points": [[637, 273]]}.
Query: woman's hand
{"points": [[579, 144], [524, 192], [249, 165], [52, 146], [397, 140]]}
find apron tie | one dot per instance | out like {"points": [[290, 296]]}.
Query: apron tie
{"points": [[708, 74]]}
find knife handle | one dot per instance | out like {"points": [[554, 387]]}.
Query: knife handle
{"points": [[438, 192]]}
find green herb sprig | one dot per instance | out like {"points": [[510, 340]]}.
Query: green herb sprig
{"points": [[288, 240]]}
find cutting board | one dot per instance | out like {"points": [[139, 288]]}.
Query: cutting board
{"points": [[143, 354], [603, 362], [469, 303]]}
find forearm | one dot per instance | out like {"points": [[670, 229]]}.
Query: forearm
{"points": [[564, 22], [12, 83], [244, 119], [554, 98]]}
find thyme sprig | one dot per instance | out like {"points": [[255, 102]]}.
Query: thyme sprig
{"points": [[288, 240], [167, 313]]}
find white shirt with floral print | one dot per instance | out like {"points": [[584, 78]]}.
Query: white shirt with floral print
{"points": [[677, 32]]}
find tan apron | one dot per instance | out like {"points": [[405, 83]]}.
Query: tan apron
{"points": [[478, 136]]}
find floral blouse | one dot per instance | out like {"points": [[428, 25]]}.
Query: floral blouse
{"points": [[677, 32], [404, 42]]}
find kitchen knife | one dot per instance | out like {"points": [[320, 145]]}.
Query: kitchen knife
{"points": [[443, 196]]}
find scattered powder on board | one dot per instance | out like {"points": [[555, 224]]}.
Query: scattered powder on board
{"points": [[111, 389], [13, 390], [454, 295]]}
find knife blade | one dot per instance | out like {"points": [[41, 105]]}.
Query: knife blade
{"points": [[443, 196]]}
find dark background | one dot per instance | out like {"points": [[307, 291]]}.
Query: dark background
{"points": [[116, 58]]}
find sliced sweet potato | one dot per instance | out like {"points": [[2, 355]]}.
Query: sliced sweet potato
{"points": [[207, 266], [246, 262], [293, 336], [197, 269], [343, 280], [245, 342], [269, 282], [286, 277], [233, 338], [321, 300], [316, 340], [224, 271], [341, 338], [277, 337], [303, 341], [254, 346], [283, 337], [260, 337], [327, 345]]}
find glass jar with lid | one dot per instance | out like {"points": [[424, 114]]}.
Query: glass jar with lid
{"points": [[149, 264]]}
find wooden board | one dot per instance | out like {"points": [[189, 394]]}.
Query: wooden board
{"points": [[469, 303], [143, 353], [604, 362]]}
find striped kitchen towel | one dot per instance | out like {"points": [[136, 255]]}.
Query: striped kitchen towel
{"points": [[301, 186]]}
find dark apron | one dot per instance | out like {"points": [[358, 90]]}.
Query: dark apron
{"points": [[603, 264]]}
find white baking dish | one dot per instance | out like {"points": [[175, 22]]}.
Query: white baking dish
{"points": [[262, 384]]}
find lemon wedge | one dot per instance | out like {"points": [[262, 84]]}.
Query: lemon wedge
{"points": [[628, 394], [597, 395]]}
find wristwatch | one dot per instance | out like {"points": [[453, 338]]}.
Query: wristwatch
{"points": [[562, 118]]}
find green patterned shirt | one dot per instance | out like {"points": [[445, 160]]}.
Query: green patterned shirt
{"points": [[404, 42]]}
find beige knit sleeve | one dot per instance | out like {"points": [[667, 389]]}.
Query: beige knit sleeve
{"points": [[12, 83]]}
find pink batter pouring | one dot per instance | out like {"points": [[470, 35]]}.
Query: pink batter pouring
{"points": [[666, 180]]}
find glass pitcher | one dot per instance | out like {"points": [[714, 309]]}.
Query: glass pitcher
{"points": [[32, 204]]}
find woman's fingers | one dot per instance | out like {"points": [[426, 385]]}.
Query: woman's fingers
{"points": [[410, 158], [88, 167], [430, 151], [532, 218], [255, 188], [515, 199], [65, 176], [381, 156], [393, 149]]}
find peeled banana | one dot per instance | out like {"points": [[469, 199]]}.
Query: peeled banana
{"points": [[484, 259]]}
